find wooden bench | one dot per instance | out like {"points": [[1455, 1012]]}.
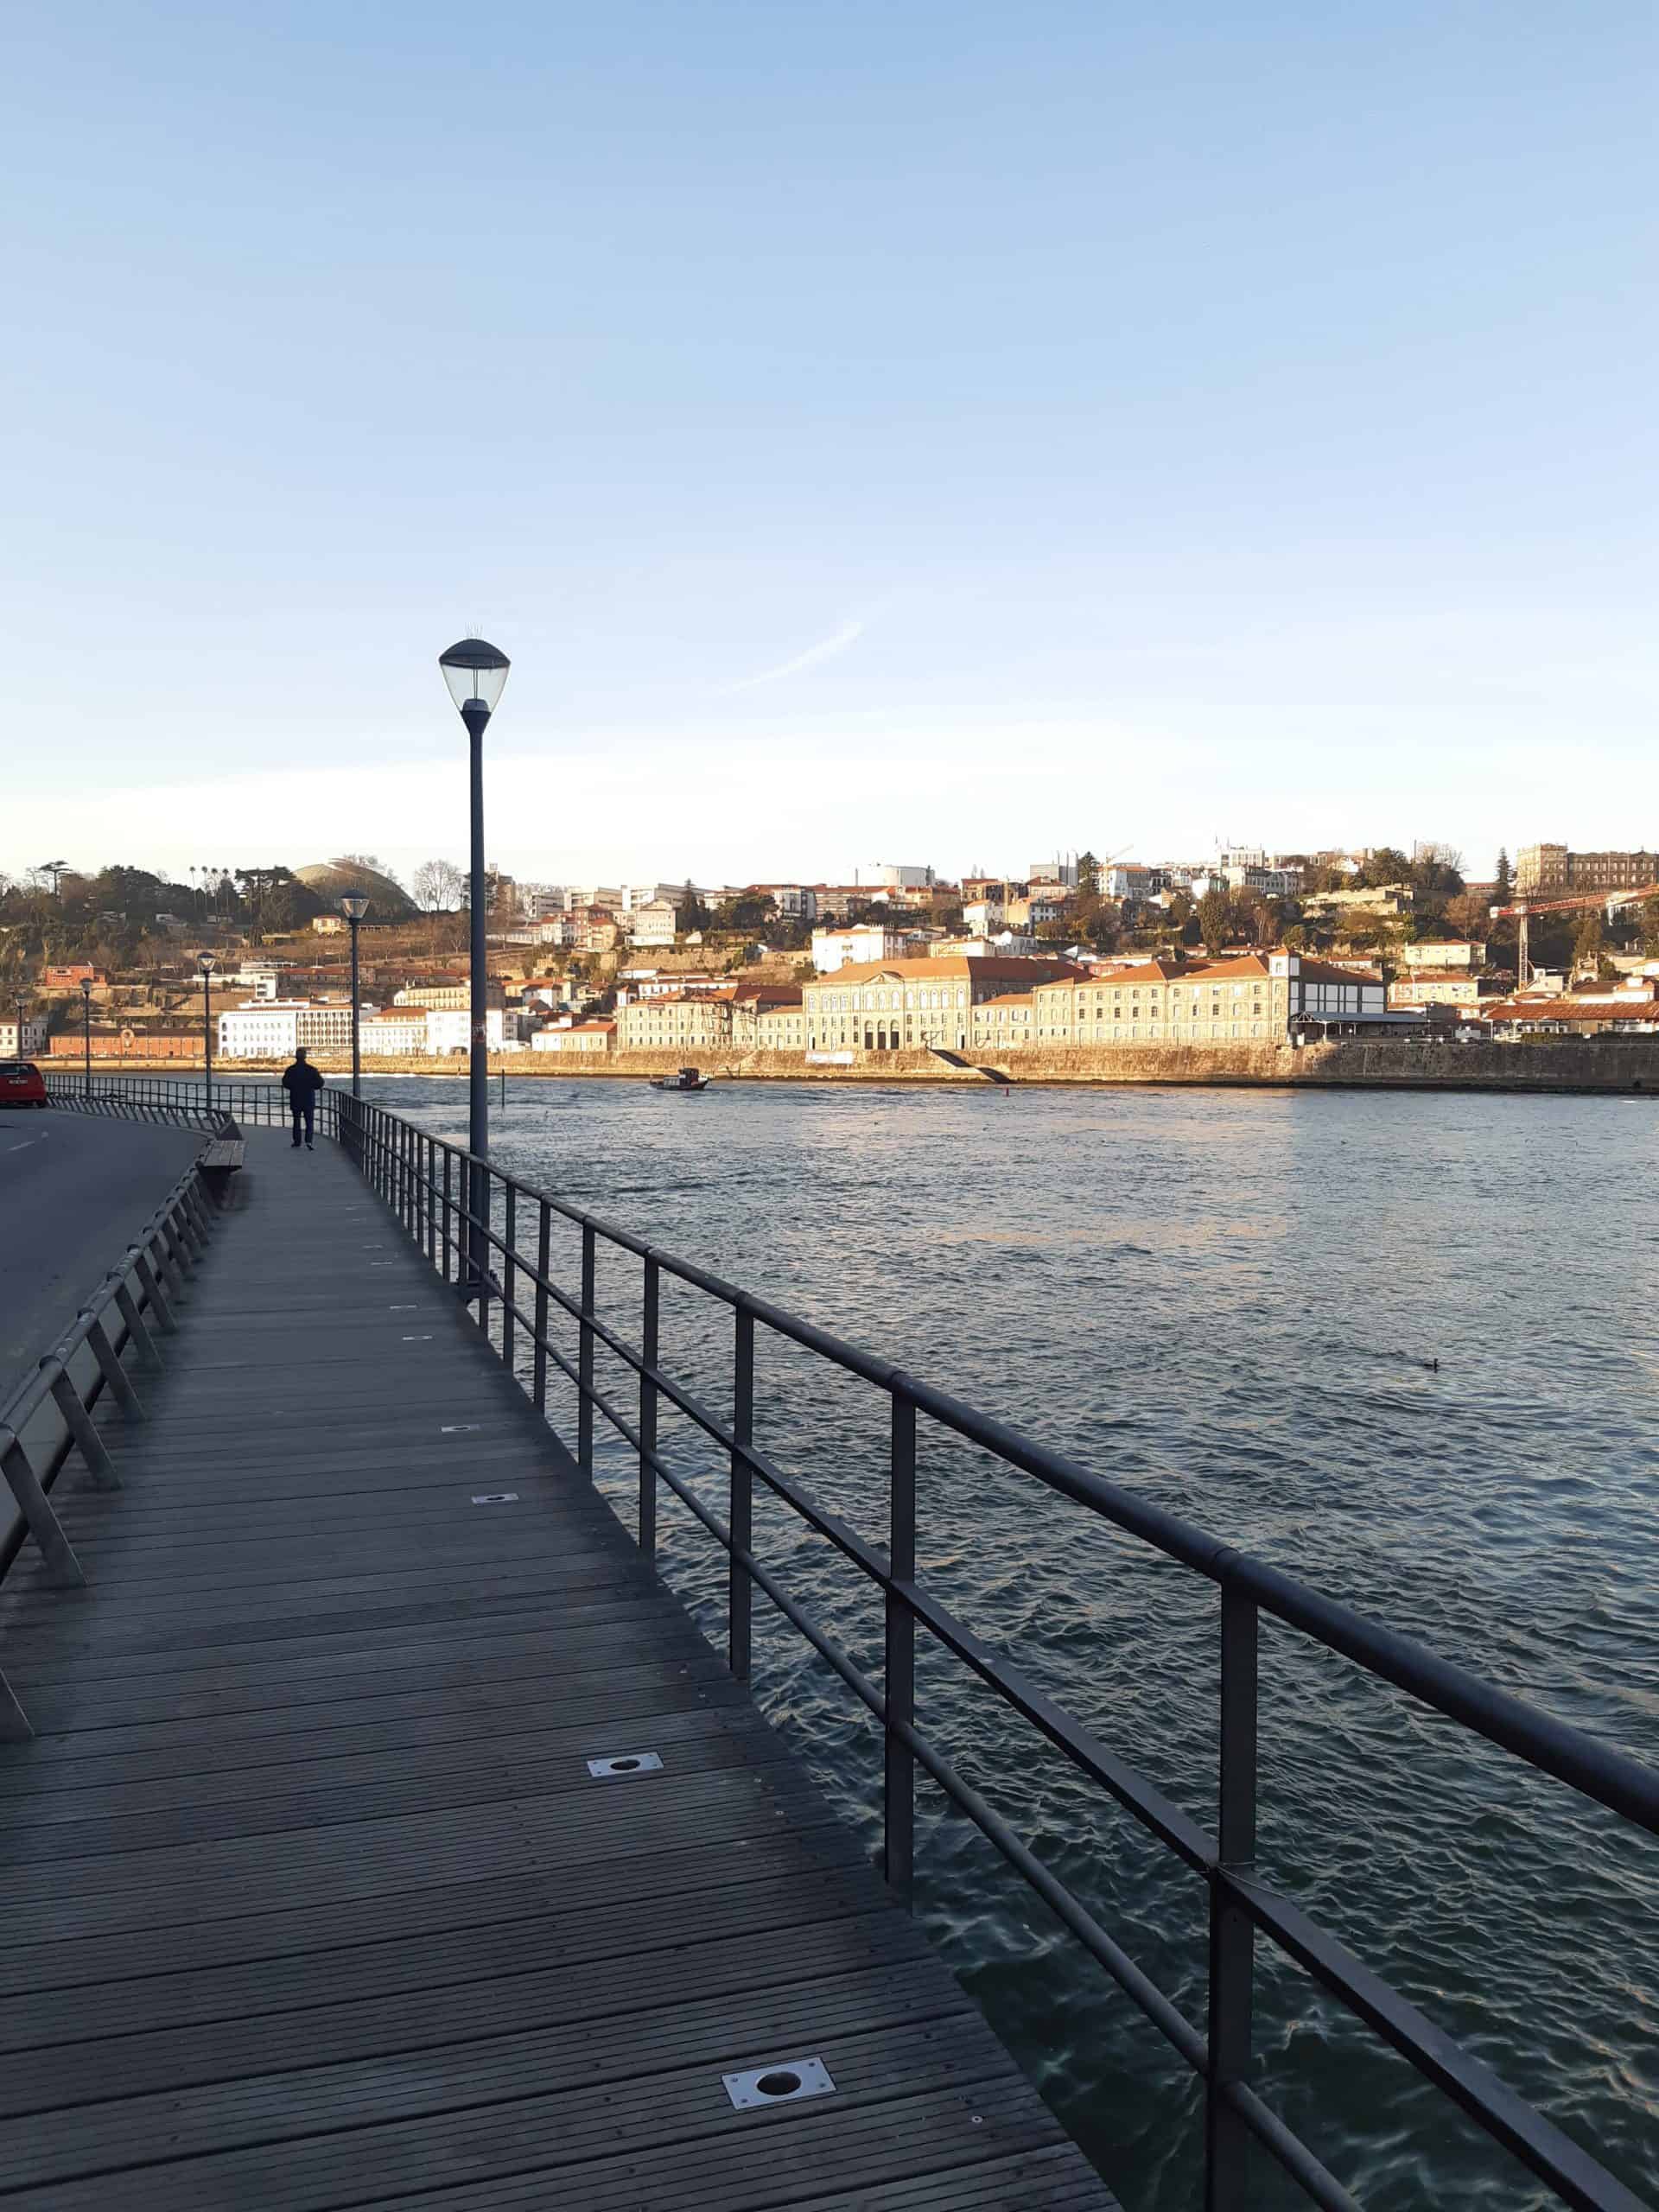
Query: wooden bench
{"points": [[218, 1163]]}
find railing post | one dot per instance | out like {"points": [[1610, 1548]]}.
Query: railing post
{"points": [[509, 1277], [62, 1567], [649, 1354], [149, 1350], [739, 1590], [1226, 2137], [585, 1358], [114, 1374], [429, 1196], [543, 1247], [898, 1779], [149, 1282], [449, 1209], [80, 1426]]}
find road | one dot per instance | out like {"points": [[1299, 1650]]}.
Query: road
{"points": [[73, 1190]]}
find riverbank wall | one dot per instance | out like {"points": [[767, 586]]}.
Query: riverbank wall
{"points": [[1571, 1065]]}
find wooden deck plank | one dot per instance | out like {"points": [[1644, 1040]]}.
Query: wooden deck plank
{"points": [[322, 1904]]}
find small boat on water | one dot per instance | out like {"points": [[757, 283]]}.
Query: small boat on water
{"points": [[687, 1079]]}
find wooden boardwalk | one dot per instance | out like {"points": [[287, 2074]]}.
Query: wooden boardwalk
{"points": [[309, 1899]]}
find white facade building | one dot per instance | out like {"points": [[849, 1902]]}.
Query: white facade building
{"points": [[654, 923], [448, 1031], [894, 876], [274, 1029], [33, 1039], [833, 949]]}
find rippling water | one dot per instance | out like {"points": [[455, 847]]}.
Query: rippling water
{"points": [[1229, 1300]]}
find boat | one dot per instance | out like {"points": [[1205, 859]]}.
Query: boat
{"points": [[687, 1079]]}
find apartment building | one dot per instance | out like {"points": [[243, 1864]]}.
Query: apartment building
{"points": [[577, 1039], [1442, 954], [21, 1041], [687, 1023], [902, 1005], [1437, 987], [1543, 870], [655, 924], [398, 1033], [1248, 997], [449, 1030], [836, 949], [274, 1029]]}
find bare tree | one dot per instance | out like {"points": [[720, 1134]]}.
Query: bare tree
{"points": [[438, 885]]}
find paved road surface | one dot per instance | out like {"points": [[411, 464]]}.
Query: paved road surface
{"points": [[73, 1191]]}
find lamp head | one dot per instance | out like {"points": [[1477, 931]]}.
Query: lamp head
{"points": [[86, 988], [353, 908], [476, 672], [206, 964]]}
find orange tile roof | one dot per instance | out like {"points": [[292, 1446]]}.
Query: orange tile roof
{"points": [[953, 968]]}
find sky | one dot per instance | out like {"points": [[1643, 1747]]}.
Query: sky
{"points": [[944, 434]]}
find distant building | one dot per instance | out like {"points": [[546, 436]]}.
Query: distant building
{"points": [[796, 902], [449, 1031], [894, 876], [22, 1044], [688, 1024], [655, 923], [901, 1005], [834, 949], [586, 1039], [1438, 987], [274, 1029], [1443, 953], [330, 925], [71, 976], [399, 1034], [1541, 870], [1629, 1009]]}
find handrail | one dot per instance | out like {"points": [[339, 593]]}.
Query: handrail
{"points": [[463, 1212], [194, 1102], [50, 1413]]}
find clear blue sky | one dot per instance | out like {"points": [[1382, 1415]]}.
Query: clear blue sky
{"points": [[1169, 420]]}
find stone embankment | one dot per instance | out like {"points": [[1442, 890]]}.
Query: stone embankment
{"points": [[1544, 1064]]}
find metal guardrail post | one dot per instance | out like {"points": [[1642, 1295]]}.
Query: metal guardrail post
{"points": [[898, 1678], [114, 1376], [649, 1354], [62, 1567], [80, 1426], [543, 1245], [448, 1210], [1226, 2137], [149, 1350], [509, 1277], [154, 1296], [740, 1591], [585, 1358]]}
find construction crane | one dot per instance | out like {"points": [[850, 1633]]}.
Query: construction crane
{"points": [[1521, 911]]}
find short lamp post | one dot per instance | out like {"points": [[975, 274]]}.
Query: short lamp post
{"points": [[205, 964], [86, 1028], [23, 1015], [354, 909], [476, 673]]}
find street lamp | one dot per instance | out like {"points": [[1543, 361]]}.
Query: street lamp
{"points": [[22, 1003], [476, 673], [86, 1027], [206, 964], [354, 909]]}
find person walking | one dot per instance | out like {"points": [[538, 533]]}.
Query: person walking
{"points": [[302, 1082]]}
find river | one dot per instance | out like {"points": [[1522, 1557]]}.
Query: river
{"points": [[1403, 1346]]}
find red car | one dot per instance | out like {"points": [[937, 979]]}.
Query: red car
{"points": [[22, 1083]]}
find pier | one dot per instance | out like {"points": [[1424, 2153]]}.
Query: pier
{"points": [[313, 1893]]}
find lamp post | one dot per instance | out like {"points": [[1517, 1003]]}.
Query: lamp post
{"points": [[354, 909], [205, 964], [23, 1003], [86, 1027], [476, 673]]}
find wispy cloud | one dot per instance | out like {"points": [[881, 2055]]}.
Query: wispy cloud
{"points": [[826, 648]]}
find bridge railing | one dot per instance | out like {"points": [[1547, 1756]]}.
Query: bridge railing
{"points": [[488, 1233], [194, 1101], [49, 1415]]}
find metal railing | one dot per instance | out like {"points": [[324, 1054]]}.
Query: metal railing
{"points": [[426, 1182], [173, 1098], [49, 1415]]}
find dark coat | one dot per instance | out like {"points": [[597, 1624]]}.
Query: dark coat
{"points": [[300, 1080]]}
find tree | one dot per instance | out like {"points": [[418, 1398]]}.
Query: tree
{"points": [[1215, 919], [1384, 867], [1088, 876], [1588, 944], [438, 886], [1650, 928], [1501, 892], [692, 913]]}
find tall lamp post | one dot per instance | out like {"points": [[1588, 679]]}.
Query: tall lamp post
{"points": [[476, 673], [22, 1003], [354, 909], [205, 964], [86, 1027]]}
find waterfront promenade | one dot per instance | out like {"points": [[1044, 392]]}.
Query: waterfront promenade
{"points": [[312, 1899]]}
